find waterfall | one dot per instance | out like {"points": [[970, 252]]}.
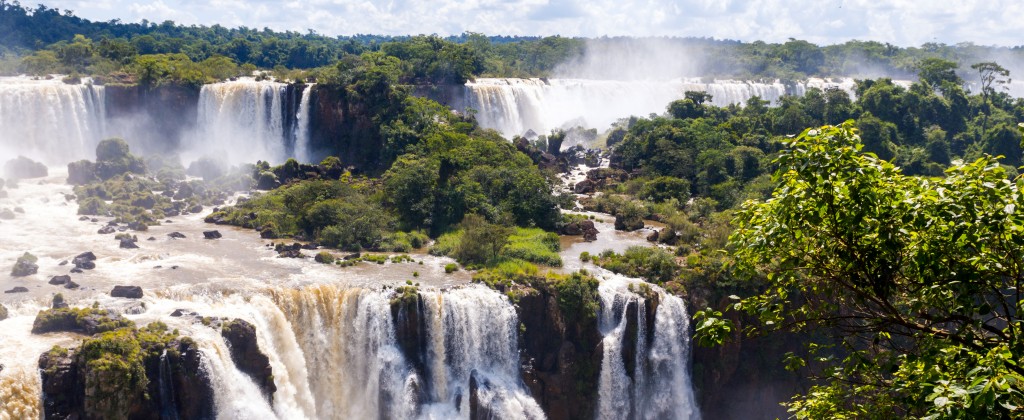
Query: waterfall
{"points": [[244, 121], [472, 332], [656, 384], [49, 120], [513, 106], [302, 134]]}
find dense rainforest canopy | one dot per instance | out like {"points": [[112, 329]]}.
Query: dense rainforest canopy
{"points": [[45, 40]]}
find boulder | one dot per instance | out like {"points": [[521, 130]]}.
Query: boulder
{"points": [[58, 302], [653, 237], [24, 168], [212, 234], [130, 292], [128, 244], [60, 280], [6, 214], [71, 285], [589, 230], [17, 289], [25, 266], [3, 312], [245, 352], [106, 230], [81, 172], [85, 260], [628, 224], [176, 235], [585, 186]]}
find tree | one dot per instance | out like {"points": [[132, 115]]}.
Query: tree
{"points": [[937, 71], [919, 280], [989, 73]]}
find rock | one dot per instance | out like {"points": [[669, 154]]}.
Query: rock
{"points": [[212, 234], [63, 263], [58, 302], [24, 168], [130, 292], [572, 229], [585, 186], [311, 246], [151, 239], [60, 280], [71, 285], [178, 312], [25, 266], [76, 270], [589, 230], [62, 386], [176, 235], [106, 230], [128, 244], [6, 214], [353, 256], [81, 172], [3, 316], [245, 352], [653, 237], [628, 224], [138, 226], [17, 289], [290, 253], [19, 210], [82, 260]]}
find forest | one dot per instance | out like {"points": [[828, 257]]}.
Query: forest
{"points": [[882, 228], [45, 40]]}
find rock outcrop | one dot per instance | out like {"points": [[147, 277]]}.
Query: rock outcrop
{"points": [[245, 352], [25, 266], [130, 292]]}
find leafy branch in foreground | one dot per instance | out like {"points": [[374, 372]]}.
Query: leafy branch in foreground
{"points": [[919, 278]]}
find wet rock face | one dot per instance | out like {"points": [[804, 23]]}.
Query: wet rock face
{"points": [[212, 234], [63, 386], [176, 387], [628, 224], [561, 357], [411, 329], [245, 352]]}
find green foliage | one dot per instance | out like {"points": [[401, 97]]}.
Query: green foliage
{"points": [[921, 269], [652, 264], [577, 295], [451, 268], [533, 245]]}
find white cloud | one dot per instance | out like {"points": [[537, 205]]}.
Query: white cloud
{"points": [[901, 22]]}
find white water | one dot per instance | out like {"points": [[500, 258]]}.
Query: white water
{"points": [[660, 386], [513, 106], [302, 123], [48, 120], [242, 121]]}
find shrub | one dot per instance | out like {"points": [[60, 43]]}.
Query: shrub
{"points": [[451, 268]]}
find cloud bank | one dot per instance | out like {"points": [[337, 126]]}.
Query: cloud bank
{"points": [[901, 22]]}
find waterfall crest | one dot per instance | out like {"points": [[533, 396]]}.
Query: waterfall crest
{"points": [[248, 120], [49, 120], [513, 106]]}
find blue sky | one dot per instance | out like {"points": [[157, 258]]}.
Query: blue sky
{"points": [[901, 22]]}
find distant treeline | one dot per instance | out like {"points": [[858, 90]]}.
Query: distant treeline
{"points": [[44, 40]]}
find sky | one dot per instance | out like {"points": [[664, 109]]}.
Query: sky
{"points": [[900, 22]]}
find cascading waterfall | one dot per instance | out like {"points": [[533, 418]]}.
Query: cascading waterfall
{"points": [[302, 120], [513, 106], [248, 120], [651, 380], [335, 354], [472, 332], [49, 120]]}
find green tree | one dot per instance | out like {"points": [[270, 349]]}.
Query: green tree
{"points": [[919, 279]]}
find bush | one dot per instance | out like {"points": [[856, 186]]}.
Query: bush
{"points": [[324, 257], [652, 264], [451, 268]]}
